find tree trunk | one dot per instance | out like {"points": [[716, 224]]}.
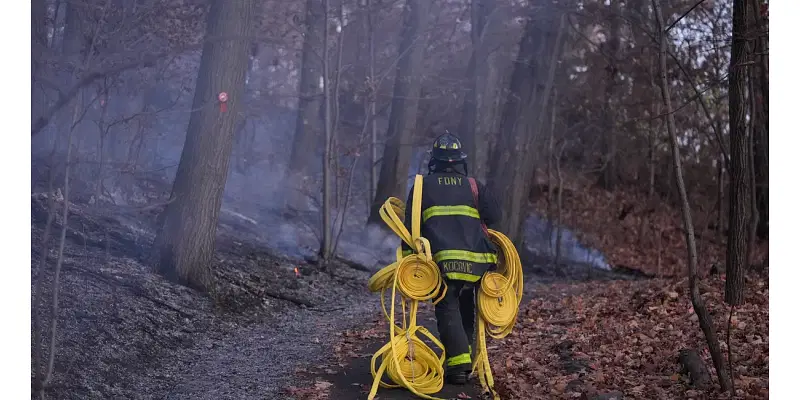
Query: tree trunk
{"points": [[609, 138], [761, 110], [333, 99], [38, 45], [509, 171], [721, 199], [559, 206], [706, 323], [327, 157], [372, 93], [477, 71], [738, 169], [303, 162], [184, 245], [751, 176], [550, 157], [393, 179]]}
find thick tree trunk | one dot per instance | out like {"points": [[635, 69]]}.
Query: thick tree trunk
{"points": [[704, 317], [393, 179], [761, 110], [184, 245], [511, 164], [477, 71], [739, 194], [306, 155]]}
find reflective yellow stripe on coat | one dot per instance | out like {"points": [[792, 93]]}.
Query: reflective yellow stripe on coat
{"points": [[438, 211], [463, 255]]}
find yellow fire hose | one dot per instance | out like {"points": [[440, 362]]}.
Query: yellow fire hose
{"points": [[407, 360]]}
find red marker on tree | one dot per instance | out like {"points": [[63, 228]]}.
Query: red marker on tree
{"points": [[223, 101]]}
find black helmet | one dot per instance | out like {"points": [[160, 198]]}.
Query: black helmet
{"points": [[447, 148]]}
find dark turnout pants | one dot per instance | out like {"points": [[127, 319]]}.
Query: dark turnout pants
{"points": [[455, 319]]}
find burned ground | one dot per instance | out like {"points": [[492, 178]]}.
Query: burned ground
{"points": [[125, 332]]}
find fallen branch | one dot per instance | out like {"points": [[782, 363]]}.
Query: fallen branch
{"points": [[289, 298]]}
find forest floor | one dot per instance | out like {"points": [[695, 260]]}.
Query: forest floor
{"points": [[277, 328], [585, 334]]}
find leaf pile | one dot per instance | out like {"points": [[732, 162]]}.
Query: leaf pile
{"points": [[599, 339]]}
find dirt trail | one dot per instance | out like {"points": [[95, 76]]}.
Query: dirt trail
{"points": [[353, 381], [260, 361]]}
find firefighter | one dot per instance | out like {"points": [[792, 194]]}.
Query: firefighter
{"points": [[456, 210]]}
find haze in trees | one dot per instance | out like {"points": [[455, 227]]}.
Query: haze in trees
{"points": [[628, 143]]}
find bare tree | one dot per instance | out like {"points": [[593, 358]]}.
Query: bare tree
{"points": [[405, 101], [706, 323], [761, 116], [372, 89], [184, 245], [477, 72], [326, 245], [309, 107], [559, 203], [609, 136], [738, 169], [38, 44]]}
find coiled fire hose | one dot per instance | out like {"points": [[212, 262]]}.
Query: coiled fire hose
{"points": [[407, 360]]}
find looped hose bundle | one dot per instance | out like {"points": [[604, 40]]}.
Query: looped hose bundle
{"points": [[498, 303], [407, 360]]}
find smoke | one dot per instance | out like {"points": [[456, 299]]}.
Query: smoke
{"points": [[540, 238], [127, 148]]}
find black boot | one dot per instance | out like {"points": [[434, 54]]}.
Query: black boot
{"points": [[457, 378]]}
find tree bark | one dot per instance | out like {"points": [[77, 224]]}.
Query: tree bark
{"points": [[753, 221], [477, 71], [559, 206], [327, 157], [761, 110], [738, 169], [305, 156], [706, 323], [372, 93], [333, 99], [393, 179], [184, 245], [510, 171]]}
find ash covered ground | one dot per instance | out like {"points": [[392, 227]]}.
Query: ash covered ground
{"points": [[125, 332]]}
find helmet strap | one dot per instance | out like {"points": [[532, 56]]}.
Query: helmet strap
{"points": [[435, 166]]}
